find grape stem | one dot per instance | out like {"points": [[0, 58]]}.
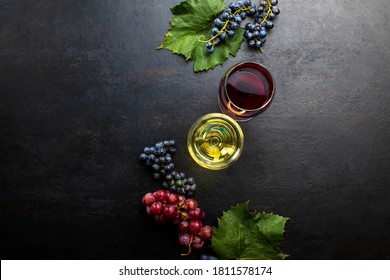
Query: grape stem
{"points": [[265, 18], [189, 247], [185, 216], [268, 12], [223, 29]]}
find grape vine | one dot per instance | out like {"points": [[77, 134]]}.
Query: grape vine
{"points": [[231, 18]]}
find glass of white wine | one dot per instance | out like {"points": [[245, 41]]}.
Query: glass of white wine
{"points": [[215, 141]]}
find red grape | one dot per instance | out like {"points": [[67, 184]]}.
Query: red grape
{"points": [[206, 232], [196, 214], [156, 208], [161, 195], [184, 239], [197, 243], [190, 204], [170, 211], [177, 219], [184, 227], [195, 226], [173, 199], [148, 199]]}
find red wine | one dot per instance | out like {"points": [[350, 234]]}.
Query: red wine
{"points": [[246, 90]]}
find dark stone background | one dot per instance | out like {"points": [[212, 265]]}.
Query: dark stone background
{"points": [[83, 90]]}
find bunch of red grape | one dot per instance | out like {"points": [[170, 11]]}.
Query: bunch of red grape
{"points": [[165, 206]]}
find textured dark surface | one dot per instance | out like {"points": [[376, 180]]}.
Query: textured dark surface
{"points": [[83, 90]]}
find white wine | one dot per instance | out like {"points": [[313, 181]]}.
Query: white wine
{"points": [[215, 141]]}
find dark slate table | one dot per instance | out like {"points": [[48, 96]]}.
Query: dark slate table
{"points": [[83, 90]]}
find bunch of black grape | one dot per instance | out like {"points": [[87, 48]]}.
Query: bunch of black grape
{"points": [[159, 159], [255, 33], [166, 206], [229, 21]]}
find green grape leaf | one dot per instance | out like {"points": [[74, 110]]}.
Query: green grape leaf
{"points": [[248, 235], [191, 23]]}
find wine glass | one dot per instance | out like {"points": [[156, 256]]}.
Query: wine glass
{"points": [[246, 90], [215, 141]]}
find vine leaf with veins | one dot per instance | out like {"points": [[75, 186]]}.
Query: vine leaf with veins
{"points": [[248, 235], [191, 22]]}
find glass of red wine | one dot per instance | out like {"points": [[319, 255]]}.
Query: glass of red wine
{"points": [[246, 90]]}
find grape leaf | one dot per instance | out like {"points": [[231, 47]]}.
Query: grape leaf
{"points": [[248, 235], [191, 22]]}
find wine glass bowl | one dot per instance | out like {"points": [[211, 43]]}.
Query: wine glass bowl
{"points": [[215, 141], [246, 90]]}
